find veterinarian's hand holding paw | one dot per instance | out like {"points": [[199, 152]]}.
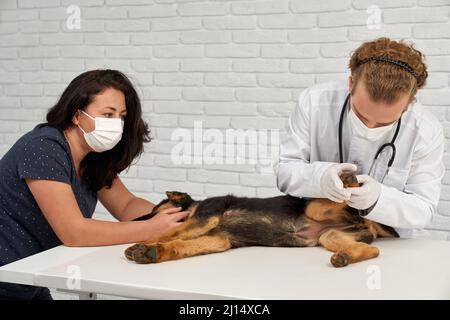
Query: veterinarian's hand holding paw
{"points": [[331, 184], [365, 196]]}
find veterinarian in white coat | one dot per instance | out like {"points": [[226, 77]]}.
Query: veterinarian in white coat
{"points": [[309, 163]]}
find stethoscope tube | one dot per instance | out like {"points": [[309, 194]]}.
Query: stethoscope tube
{"points": [[341, 121]]}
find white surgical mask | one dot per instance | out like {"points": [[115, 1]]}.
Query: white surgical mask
{"points": [[107, 133], [360, 129]]}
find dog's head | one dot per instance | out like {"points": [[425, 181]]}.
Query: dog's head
{"points": [[174, 199]]}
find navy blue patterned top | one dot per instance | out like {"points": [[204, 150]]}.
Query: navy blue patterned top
{"points": [[42, 154]]}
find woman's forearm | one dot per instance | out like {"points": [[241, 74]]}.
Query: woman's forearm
{"points": [[137, 207], [91, 232]]}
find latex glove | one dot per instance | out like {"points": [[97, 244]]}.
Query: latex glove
{"points": [[331, 184], [365, 196]]}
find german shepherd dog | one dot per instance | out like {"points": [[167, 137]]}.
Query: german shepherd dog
{"points": [[217, 224]]}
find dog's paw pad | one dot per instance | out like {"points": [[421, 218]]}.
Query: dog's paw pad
{"points": [[349, 179], [152, 253]]}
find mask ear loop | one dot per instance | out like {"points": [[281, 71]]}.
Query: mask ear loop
{"points": [[89, 117], [87, 114]]}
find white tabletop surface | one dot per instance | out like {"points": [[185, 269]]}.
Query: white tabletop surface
{"points": [[406, 269]]}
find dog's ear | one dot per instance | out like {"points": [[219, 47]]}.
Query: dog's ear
{"points": [[169, 194], [176, 196]]}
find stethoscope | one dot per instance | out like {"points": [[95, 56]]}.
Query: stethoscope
{"points": [[386, 146]]}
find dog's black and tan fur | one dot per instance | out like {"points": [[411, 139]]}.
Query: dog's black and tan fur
{"points": [[220, 223]]}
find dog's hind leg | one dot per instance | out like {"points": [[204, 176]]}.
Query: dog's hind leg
{"points": [[178, 249], [346, 247]]}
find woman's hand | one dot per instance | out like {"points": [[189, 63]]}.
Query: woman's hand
{"points": [[164, 222]]}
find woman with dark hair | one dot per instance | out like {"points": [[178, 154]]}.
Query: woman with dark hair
{"points": [[52, 176]]}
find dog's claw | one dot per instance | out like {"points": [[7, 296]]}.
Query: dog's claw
{"points": [[129, 251]]}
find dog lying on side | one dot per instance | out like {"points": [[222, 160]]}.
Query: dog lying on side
{"points": [[220, 223]]}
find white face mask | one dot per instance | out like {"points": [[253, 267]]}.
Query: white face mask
{"points": [[107, 133], [360, 129]]}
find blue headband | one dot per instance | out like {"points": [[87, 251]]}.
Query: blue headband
{"points": [[401, 64]]}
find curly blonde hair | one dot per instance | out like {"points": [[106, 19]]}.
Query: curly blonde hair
{"points": [[387, 81]]}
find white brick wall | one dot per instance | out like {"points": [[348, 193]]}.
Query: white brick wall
{"points": [[238, 64]]}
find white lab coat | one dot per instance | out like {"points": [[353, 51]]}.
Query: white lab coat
{"points": [[410, 191]]}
